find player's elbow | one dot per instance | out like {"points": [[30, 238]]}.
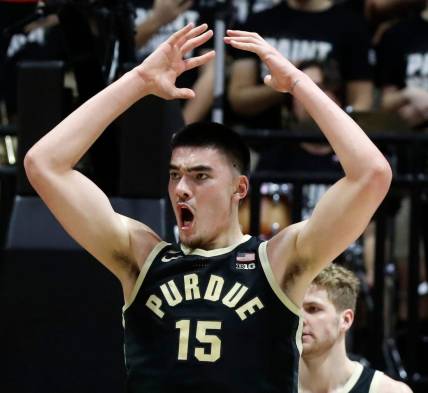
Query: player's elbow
{"points": [[35, 165], [31, 165], [379, 177]]}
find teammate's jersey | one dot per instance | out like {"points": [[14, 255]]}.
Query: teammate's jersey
{"points": [[363, 380], [211, 321]]}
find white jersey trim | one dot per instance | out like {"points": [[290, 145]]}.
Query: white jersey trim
{"points": [[374, 386], [143, 272], [353, 378], [215, 252]]}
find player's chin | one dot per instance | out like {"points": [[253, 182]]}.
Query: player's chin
{"points": [[190, 241]]}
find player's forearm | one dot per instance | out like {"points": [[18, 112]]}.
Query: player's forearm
{"points": [[252, 100], [62, 148], [358, 156]]}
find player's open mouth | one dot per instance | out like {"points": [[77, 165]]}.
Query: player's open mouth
{"points": [[186, 217]]}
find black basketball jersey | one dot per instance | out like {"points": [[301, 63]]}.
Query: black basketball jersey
{"points": [[363, 381], [211, 321]]}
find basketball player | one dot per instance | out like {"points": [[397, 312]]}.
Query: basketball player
{"points": [[220, 311], [328, 313]]}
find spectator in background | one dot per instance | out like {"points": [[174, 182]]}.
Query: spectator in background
{"points": [[402, 69], [380, 10], [301, 31], [328, 313]]}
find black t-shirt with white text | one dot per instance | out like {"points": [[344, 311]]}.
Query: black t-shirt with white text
{"points": [[402, 55]]}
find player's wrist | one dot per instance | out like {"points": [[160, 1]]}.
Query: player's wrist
{"points": [[139, 79]]}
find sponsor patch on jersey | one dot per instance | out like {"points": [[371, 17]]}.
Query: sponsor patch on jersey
{"points": [[245, 261], [171, 255]]}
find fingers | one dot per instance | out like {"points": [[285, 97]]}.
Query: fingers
{"points": [[250, 47], [245, 40], [194, 32], [180, 34], [199, 60], [184, 94], [195, 42], [268, 80], [242, 33]]}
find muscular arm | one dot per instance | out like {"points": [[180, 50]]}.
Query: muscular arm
{"points": [[78, 204], [247, 97], [299, 252]]}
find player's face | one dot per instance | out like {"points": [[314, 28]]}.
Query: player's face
{"points": [[201, 186], [321, 323]]}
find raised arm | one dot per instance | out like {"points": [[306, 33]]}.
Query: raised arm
{"points": [[80, 206], [300, 251]]}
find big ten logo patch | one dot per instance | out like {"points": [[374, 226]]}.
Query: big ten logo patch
{"points": [[245, 261]]}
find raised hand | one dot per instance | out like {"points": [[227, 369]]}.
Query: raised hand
{"points": [[161, 69], [283, 75]]}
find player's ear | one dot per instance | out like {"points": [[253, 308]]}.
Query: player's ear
{"points": [[347, 319], [242, 187]]}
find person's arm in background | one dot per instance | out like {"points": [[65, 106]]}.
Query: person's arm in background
{"points": [[162, 13], [411, 103], [84, 211], [359, 95], [197, 109], [247, 96], [379, 10]]}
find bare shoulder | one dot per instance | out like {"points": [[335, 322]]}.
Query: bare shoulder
{"points": [[282, 247], [388, 385], [289, 269], [142, 240]]}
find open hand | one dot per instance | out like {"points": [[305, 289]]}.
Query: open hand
{"points": [[283, 75], [161, 69]]}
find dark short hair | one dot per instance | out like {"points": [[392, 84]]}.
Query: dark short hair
{"points": [[218, 136]]}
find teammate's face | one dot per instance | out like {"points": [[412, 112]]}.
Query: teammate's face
{"points": [[322, 323], [202, 184]]}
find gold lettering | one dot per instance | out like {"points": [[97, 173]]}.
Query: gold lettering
{"points": [[214, 287], [191, 286], [174, 297], [232, 298], [249, 307], [154, 304]]}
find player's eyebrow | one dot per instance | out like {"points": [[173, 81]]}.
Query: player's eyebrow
{"points": [[196, 168]]}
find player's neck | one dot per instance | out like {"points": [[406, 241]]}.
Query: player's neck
{"points": [[310, 5], [326, 373]]}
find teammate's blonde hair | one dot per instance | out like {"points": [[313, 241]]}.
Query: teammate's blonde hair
{"points": [[341, 284]]}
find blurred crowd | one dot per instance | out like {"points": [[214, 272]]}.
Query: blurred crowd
{"points": [[372, 54]]}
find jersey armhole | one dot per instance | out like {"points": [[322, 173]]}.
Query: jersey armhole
{"points": [[272, 280], [374, 386], [146, 266]]}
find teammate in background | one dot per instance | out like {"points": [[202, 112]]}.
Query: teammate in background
{"points": [[328, 313], [220, 311]]}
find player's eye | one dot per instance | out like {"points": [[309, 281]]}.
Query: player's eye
{"points": [[173, 175], [201, 176]]}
